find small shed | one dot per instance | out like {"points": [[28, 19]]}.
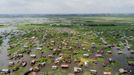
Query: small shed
{"points": [[64, 66]]}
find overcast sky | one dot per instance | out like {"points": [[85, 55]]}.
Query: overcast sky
{"points": [[65, 6]]}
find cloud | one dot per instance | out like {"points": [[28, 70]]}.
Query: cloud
{"points": [[66, 6]]}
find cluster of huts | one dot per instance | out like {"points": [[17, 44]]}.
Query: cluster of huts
{"points": [[60, 59]]}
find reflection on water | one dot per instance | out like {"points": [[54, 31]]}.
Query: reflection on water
{"points": [[122, 59], [4, 47], [3, 52]]}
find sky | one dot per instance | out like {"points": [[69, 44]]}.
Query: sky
{"points": [[65, 6]]}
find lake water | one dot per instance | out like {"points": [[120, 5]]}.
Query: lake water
{"points": [[12, 21]]}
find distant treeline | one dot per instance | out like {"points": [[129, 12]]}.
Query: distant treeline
{"points": [[84, 25], [63, 25], [63, 15], [1, 25], [43, 24], [53, 25], [99, 25], [0, 40]]}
